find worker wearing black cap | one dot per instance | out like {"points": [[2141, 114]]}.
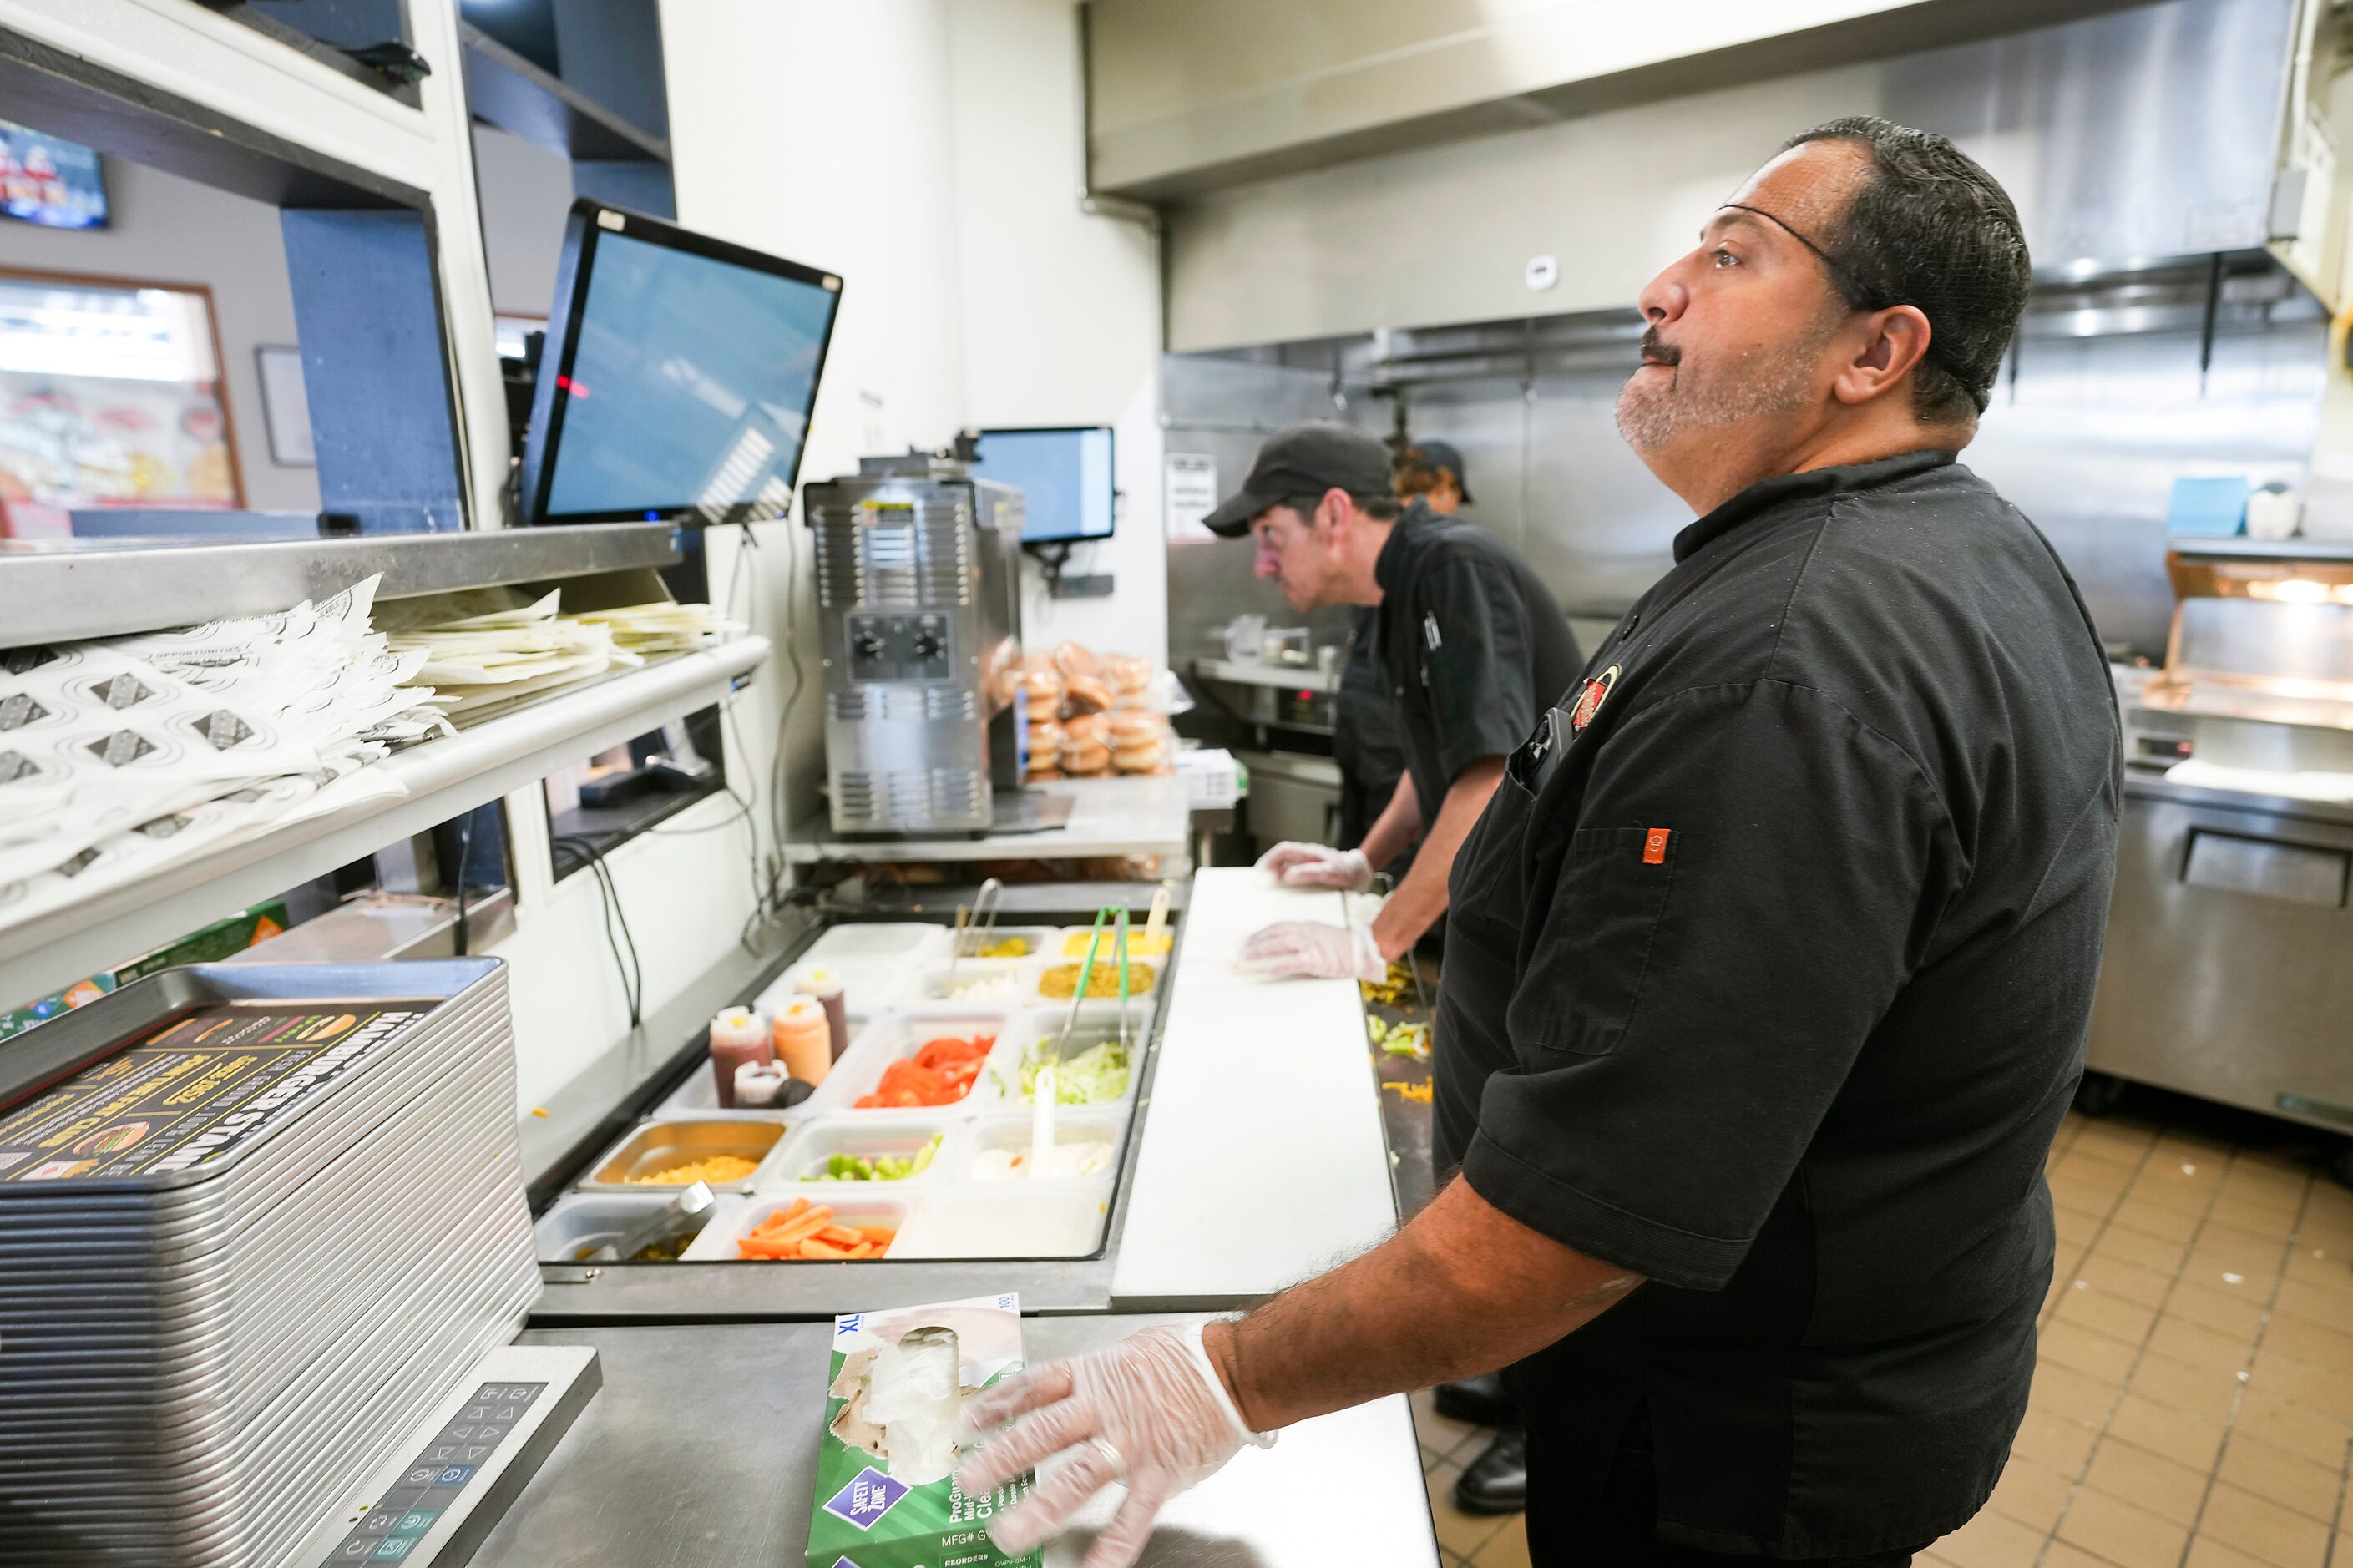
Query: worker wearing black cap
{"points": [[1469, 640], [1433, 471], [1366, 740]]}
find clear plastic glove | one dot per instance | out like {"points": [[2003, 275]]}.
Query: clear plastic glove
{"points": [[1296, 864], [1310, 950], [1149, 1410]]}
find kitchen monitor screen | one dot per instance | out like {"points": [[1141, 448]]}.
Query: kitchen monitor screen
{"points": [[1065, 476], [53, 182], [678, 377]]}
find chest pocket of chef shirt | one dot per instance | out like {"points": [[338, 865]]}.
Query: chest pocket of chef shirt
{"points": [[1587, 970]]}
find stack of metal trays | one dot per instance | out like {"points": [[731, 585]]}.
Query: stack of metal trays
{"points": [[254, 1221]]}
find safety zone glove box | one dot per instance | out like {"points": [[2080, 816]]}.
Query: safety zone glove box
{"points": [[886, 1492]]}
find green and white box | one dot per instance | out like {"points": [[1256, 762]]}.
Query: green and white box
{"points": [[886, 1490]]}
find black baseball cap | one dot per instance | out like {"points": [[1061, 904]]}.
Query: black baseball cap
{"points": [[1303, 460], [1441, 455]]}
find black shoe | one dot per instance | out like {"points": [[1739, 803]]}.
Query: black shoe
{"points": [[1497, 1480], [1480, 1400]]}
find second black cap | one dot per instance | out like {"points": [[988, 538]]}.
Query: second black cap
{"points": [[1300, 461]]}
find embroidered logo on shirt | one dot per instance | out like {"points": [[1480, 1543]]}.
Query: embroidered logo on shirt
{"points": [[1590, 702], [1654, 845]]}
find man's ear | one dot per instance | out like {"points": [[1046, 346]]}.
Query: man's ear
{"points": [[1895, 342], [1337, 508]]}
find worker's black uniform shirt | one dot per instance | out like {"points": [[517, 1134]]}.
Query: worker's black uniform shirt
{"points": [[1470, 643], [1770, 984], [1366, 740]]}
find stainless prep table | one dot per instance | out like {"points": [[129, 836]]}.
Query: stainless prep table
{"points": [[699, 1450]]}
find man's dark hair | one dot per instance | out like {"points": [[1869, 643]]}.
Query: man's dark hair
{"points": [[1379, 508], [1932, 228]]}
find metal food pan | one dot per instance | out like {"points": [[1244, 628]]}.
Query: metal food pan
{"points": [[589, 1220], [279, 1163], [84, 1229], [180, 1243], [656, 1145], [202, 1454], [190, 1354], [183, 1281], [307, 1467], [87, 1034]]}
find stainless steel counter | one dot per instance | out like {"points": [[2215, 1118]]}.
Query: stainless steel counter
{"points": [[700, 1451]]}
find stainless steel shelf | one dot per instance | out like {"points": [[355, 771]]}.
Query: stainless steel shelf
{"points": [[58, 590], [444, 779], [2191, 547]]}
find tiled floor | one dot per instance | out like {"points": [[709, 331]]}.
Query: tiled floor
{"points": [[2193, 1398]]}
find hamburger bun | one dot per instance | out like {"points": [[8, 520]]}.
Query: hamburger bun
{"points": [[1128, 675], [1086, 757], [1073, 659], [1132, 727], [1084, 694]]}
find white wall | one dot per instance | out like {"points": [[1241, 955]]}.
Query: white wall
{"points": [[170, 230], [925, 151], [1060, 310]]}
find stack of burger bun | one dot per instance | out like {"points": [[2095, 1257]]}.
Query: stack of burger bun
{"points": [[1091, 716], [1138, 740], [1042, 685]]}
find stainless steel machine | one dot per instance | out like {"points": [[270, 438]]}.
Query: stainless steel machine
{"points": [[2229, 971], [919, 617]]}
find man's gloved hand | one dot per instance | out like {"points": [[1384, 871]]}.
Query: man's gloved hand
{"points": [[1311, 950], [1149, 1410], [1318, 866]]}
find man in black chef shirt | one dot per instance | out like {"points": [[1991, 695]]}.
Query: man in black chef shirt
{"points": [[1769, 970], [1468, 638], [1364, 737]]}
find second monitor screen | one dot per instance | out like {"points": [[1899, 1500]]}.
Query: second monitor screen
{"points": [[1065, 476]]}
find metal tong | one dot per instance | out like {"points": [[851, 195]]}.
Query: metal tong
{"points": [[1079, 992], [681, 1215], [990, 899]]}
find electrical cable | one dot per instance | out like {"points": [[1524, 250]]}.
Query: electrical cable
{"points": [[631, 970], [461, 935]]}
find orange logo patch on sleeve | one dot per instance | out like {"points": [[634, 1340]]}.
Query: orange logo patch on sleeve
{"points": [[1654, 845]]}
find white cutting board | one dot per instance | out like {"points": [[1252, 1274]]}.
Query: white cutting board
{"points": [[1263, 1160]]}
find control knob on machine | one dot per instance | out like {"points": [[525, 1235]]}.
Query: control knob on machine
{"points": [[868, 645], [927, 644]]}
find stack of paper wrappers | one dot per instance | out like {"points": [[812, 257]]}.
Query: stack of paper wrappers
{"points": [[123, 756]]}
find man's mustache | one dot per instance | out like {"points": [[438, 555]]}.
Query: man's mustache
{"points": [[1654, 352]]}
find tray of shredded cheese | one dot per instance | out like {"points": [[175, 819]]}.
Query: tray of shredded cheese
{"points": [[664, 1155]]}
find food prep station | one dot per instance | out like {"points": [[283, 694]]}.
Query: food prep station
{"points": [[1244, 1098]]}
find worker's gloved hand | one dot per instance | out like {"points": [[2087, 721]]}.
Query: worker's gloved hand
{"points": [[1149, 1410], [1310, 950], [1318, 866]]}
